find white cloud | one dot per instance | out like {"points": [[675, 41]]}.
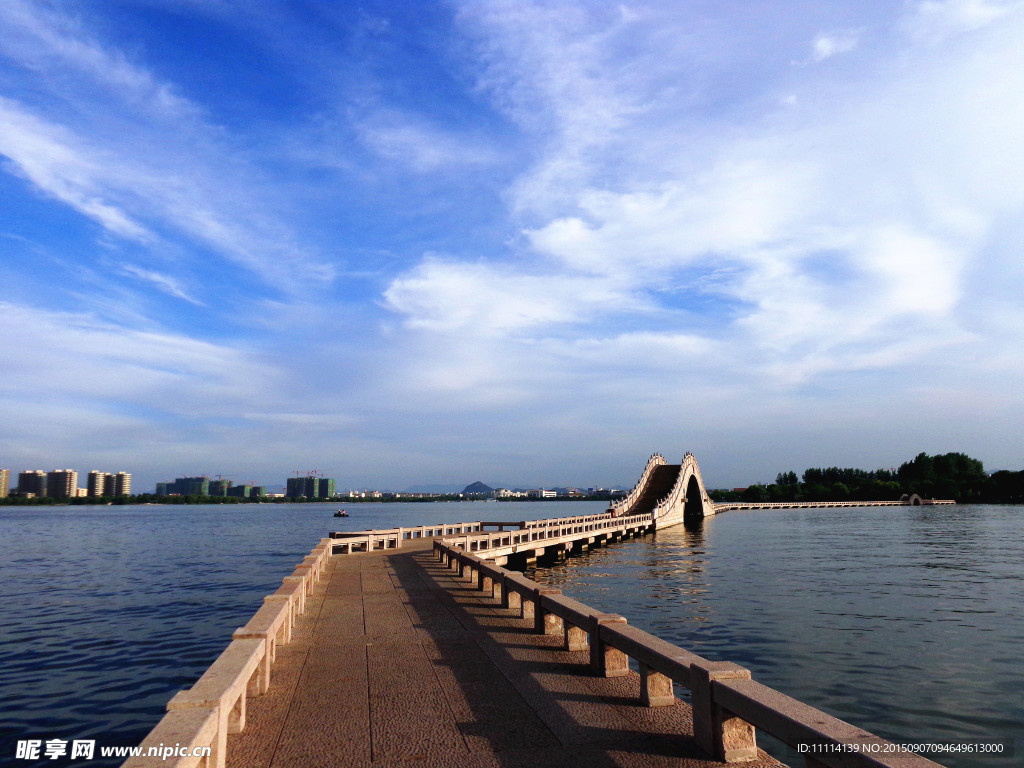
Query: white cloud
{"points": [[936, 20], [410, 141], [840, 232], [736, 206], [165, 283], [46, 155], [553, 70], [131, 190], [825, 46], [118, 145], [79, 356], [42, 40], [481, 299]]}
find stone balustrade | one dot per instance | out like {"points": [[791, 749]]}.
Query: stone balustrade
{"points": [[474, 536], [728, 705], [727, 506], [539, 532], [215, 706], [347, 542], [630, 498]]}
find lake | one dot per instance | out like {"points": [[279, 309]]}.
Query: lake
{"points": [[904, 621]]}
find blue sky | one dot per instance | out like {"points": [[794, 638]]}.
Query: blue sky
{"points": [[523, 242]]}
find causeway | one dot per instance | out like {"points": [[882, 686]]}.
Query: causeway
{"points": [[398, 660]]}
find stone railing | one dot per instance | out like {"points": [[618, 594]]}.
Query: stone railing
{"points": [[676, 494], [727, 704], [474, 536], [539, 531], [688, 469], [214, 707], [726, 506], [656, 460], [347, 542]]}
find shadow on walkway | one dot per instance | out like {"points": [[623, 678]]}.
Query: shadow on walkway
{"points": [[398, 662]]}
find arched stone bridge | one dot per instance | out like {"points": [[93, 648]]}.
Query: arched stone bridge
{"points": [[669, 493], [666, 495], [674, 493]]}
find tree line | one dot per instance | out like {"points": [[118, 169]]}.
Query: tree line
{"points": [[944, 476]]}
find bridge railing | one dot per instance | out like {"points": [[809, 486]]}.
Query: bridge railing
{"points": [[728, 705], [519, 531], [203, 715], [540, 531], [630, 498], [347, 542], [726, 506], [677, 494]]}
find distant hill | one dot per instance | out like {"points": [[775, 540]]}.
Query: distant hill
{"points": [[477, 489]]}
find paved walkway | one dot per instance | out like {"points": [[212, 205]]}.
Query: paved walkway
{"points": [[399, 662]]}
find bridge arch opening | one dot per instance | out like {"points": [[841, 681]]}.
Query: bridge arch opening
{"points": [[694, 509]]}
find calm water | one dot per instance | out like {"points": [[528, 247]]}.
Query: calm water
{"points": [[109, 611], [904, 621]]}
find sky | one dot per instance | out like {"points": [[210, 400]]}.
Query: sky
{"points": [[527, 243]]}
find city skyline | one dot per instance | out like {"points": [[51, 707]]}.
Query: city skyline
{"points": [[518, 241]]}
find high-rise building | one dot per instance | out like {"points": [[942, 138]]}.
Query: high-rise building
{"points": [[187, 486], [104, 484], [310, 487], [122, 484], [220, 487], [96, 486], [5, 482], [161, 489], [241, 491], [295, 487], [62, 484], [32, 482]]}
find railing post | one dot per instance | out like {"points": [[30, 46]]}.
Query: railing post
{"points": [[527, 606], [655, 688], [606, 661], [498, 589], [575, 638], [544, 622], [717, 731], [509, 597]]}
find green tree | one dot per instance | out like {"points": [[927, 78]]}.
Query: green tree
{"points": [[755, 493], [839, 492]]}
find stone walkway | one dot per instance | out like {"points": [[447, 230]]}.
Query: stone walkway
{"points": [[399, 662]]}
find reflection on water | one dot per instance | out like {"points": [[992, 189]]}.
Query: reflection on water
{"points": [[905, 621], [671, 580]]}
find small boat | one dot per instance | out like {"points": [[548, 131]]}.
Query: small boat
{"points": [[341, 513]]}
